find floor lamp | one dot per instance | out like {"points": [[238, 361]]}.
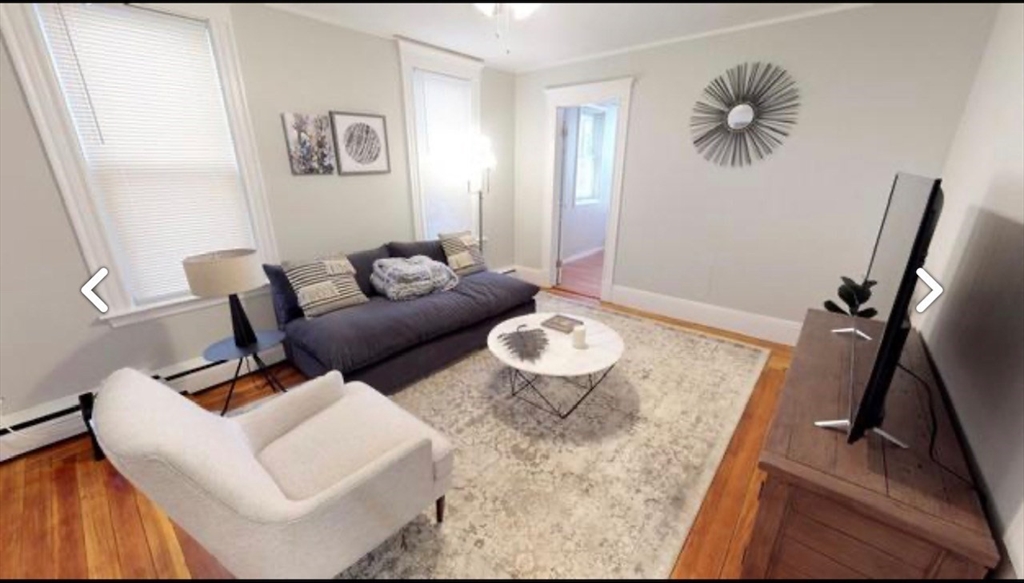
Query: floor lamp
{"points": [[484, 162]]}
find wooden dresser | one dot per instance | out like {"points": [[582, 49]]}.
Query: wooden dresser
{"points": [[868, 510]]}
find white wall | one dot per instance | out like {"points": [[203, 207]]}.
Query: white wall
{"points": [[882, 89], [975, 331], [498, 122], [293, 63], [51, 344]]}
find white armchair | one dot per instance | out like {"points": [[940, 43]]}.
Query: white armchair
{"points": [[302, 486]]}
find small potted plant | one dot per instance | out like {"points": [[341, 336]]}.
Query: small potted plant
{"points": [[854, 295]]}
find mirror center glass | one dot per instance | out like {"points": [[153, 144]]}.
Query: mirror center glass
{"points": [[740, 116]]}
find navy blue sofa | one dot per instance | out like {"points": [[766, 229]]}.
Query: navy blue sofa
{"points": [[390, 344]]}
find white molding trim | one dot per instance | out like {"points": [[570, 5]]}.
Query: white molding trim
{"points": [[537, 277], [582, 254], [172, 307], [29, 55], [56, 129], [413, 56], [37, 436], [620, 91], [747, 323], [688, 37]]}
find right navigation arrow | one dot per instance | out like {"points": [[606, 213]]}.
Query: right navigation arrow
{"points": [[932, 295]]}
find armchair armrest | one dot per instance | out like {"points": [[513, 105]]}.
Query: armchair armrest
{"points": [[340, 524], [282, 414]]}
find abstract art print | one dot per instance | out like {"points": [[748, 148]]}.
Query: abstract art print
{"points": [[361, 141], [310, 146]]}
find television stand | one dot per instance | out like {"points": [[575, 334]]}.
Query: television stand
{"points": [[843, 425], [828, 509]]}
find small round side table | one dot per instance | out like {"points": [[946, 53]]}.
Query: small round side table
{"points": [[225, 350]]}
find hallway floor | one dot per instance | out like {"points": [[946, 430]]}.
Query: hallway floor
{"points": [[583, 276]]}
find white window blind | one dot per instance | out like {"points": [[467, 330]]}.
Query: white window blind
{"points": [[143, 90], [444, 110]]}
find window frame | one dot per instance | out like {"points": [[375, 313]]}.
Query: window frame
{"points": [[597, 115], [30, 56]]}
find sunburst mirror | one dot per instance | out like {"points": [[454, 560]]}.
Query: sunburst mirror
{"points": [[745, 114]]}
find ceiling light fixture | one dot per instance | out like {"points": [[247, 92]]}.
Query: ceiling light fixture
{"points": [[503, 14], [519, 10]]}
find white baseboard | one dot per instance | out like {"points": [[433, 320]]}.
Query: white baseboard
{"points": [[583, 254], [69, 425], [747, 323], [531, 275]]}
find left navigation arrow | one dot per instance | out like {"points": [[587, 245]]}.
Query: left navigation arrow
{"points": [[87, 290]]}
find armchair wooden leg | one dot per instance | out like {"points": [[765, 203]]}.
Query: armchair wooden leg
{"points": [[440, 509]]}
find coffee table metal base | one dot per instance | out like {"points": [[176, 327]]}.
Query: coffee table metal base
{"points": [[520, 382]]}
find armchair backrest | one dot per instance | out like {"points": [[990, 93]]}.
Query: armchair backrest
{"points": [[179, 454]]}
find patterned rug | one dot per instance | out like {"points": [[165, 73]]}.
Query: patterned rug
{"points": [[609, 492]]}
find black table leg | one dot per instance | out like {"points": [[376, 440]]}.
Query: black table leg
{"points": [[231, 391], [265, 370]]}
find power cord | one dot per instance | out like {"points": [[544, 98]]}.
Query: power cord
{"points": [[935, 425]]}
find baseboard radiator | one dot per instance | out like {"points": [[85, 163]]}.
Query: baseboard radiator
{"points": [[58, 420]]}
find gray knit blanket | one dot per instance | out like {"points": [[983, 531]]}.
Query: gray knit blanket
{"points": [[399, 278]]}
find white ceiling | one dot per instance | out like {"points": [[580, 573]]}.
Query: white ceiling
{"points": [[555, 33]]}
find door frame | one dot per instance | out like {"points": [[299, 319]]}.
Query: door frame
{"points": [[618, 91]]}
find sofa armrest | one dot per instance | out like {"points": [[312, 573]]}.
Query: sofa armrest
{"points": [[281, 414]]}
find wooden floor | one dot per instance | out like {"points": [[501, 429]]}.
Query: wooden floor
{"points": [[63, 515], [583, 276]]}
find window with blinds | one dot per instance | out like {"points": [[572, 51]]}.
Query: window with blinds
{"points": [[143, 90]]}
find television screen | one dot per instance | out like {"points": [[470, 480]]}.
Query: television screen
{"points": [[900, 249]]}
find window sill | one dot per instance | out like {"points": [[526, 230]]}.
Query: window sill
{"points": [[587, 202], [138, 314]]}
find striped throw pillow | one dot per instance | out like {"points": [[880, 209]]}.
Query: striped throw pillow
{"points": [[324, 285], [463, 252]]}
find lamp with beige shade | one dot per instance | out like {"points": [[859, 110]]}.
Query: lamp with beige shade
{"points": [[227, 273]]}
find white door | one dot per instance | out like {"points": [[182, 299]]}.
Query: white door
{"points": [[444, 130]]}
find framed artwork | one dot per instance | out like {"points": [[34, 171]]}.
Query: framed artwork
{"points": [[361, 142], [310, 146]]}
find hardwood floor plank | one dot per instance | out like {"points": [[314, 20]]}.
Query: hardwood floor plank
{"points": [[168, 557], [69, 548], [37, 557], [100, 545], [12, 492], [132, 549]]}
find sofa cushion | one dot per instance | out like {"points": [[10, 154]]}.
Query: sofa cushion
{"points": [[462, 252], [431, 249], [286, 304], [324, 285], [363, 262], [311, 458], [350, 339]]}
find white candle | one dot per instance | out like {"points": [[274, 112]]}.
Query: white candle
{"points": [[579, 336]]}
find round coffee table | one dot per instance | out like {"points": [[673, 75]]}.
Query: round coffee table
{"points": [[559, 359]]}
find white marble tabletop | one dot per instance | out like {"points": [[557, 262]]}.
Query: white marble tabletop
{"points": [[560, 358]]}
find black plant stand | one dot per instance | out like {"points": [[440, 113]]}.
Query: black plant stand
{"points": [[226, 350]]}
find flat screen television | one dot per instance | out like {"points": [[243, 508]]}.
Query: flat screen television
{"points": [[900, 249]]}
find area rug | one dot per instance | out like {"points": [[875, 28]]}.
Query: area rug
{"points": [[610, 492]]}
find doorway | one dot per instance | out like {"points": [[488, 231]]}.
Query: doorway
{"points": [[586, 168], [588, 125]]}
